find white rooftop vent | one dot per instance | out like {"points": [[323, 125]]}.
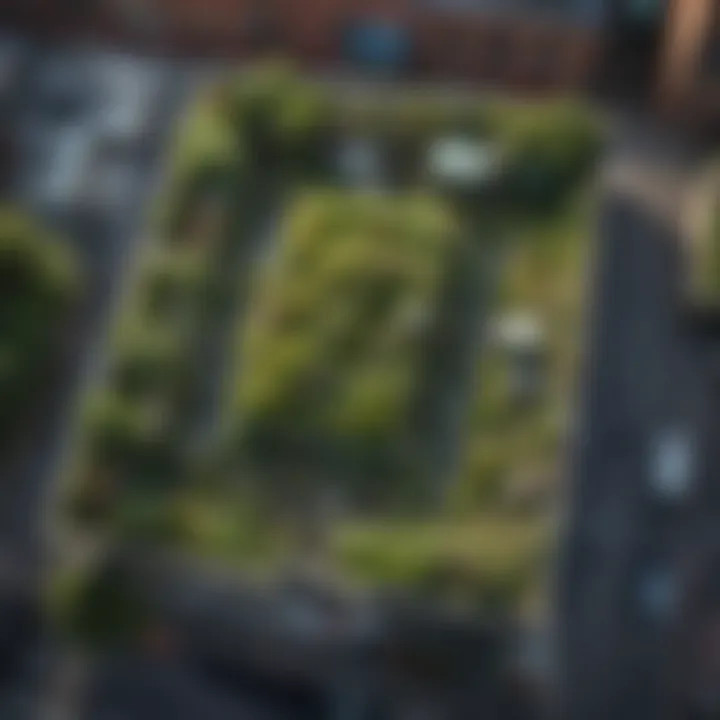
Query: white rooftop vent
{"points": [[463, 162], [519, 331]]}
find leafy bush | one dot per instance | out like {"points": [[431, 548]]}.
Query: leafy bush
{"points": [[176, 279], [193, 186], [281, 120], [208, 158], [149, 360], [38, 280], [135, 438], [549, 150], [34, 261]]}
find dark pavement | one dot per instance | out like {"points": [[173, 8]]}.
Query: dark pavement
{"points": [[130, 686], [637, 382]]}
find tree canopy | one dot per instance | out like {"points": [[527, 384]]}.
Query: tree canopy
{"points": [[38, 280]]}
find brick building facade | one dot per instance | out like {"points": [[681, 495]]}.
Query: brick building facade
{"points": [[519, 43], [558, 45]]}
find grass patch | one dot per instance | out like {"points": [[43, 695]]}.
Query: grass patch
{"points": [[332, 349], [484, 561], [515, 447]]}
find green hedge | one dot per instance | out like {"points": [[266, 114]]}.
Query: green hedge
{"points": [[550, 150]]}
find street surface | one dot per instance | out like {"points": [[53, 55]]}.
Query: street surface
{"points": [[620, 540], [144, 689]]}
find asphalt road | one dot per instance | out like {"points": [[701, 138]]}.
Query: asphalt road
{"points": [[613, 647], [141, 688]]}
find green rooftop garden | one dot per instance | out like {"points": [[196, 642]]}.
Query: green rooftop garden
{"points": [[333, 342], [247, 368]]}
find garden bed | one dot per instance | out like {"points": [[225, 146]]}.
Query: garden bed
{"points": [[516, 434], [338, 328], [135, 429], [336, 336]]}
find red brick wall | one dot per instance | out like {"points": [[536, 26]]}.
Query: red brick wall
{"points": [[515, 54], [468, 46]]}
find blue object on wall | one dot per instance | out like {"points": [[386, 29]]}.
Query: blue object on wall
{"points": [[378, 45]]}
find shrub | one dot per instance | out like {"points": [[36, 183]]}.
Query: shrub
{"points": [[117, 426], [33, 262], [149, 360], [39, 279], [208, 159], [281, 120], [176, 279], [194, 185], [304, 130], [548, 152], [134, 438]]}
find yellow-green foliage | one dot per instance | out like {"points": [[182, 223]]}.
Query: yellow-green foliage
{"points": [[38, 279], [333, 342], [477, 560]]}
